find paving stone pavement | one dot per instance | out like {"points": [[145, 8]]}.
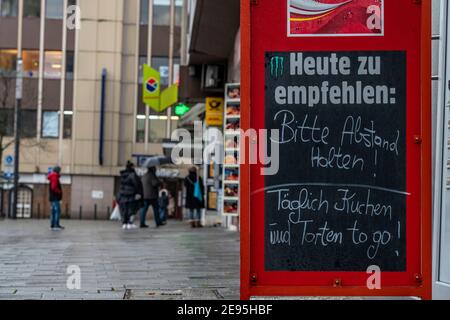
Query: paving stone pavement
{"points": [[173, 262]]}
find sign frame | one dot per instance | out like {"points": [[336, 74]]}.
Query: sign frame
{"points": [[422, 284]]}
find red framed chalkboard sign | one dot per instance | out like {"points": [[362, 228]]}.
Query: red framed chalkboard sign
{"points": [[341, 203]]}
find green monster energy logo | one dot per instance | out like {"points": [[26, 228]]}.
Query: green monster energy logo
{"points": [[276, 66]]}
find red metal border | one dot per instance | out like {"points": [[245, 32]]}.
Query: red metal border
{"points": [[245, 168], [423, 290]]}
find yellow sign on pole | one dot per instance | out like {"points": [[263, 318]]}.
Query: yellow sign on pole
{"points": [[151, 87], [214, 112], [152, 95]]}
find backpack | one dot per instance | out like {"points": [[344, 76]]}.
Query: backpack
{"points": [[198, 191]]}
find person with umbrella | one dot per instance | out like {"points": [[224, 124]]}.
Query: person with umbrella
{"points": [[151, 185]]}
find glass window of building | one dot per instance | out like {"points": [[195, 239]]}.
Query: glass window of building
{"points": [[144, 12], [6, 122], [157, 127], [52, 64], [161, 12], [28, 123], [31, 8], [30, 63], [8, 8], [50, 124], [54, 9], [8, 59], [140, 129], [70, 63], [67, 130]]}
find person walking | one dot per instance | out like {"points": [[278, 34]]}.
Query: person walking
{"points": [[151, 185], [194, 197], [163, 202], [130, 194], [55, 197]]}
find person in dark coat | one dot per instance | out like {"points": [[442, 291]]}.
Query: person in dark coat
{"points": [[55, 197], [195, 197], [151, 184], [130, 194]]}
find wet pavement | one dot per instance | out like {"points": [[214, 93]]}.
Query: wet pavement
{"points": [[173, 262]]}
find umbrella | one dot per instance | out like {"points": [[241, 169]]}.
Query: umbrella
{"points": [[156, 161]]}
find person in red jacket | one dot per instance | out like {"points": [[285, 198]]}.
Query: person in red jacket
{"points": [[55, 197]]}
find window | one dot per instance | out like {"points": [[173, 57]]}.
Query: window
{"points": [[70, 63], [140, 129], [157, 128], [30, 63], [8, 60], [54, 9], [8, 8], [7, 122], [144, 12], [67, 130], [161, 12], [50, 124], [28, 123], [52, 64], [31, 8]]}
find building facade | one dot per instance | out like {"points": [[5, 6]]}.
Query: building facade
{"points": [[82, 106]]}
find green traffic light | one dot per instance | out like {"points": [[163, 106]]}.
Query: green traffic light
{"points": [[181, 109]]}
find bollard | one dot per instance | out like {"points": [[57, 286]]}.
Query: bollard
{"points": [[81, 212], [108, 213], [95, 212]]}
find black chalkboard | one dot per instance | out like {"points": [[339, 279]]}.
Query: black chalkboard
{"points": [[338, 200]]}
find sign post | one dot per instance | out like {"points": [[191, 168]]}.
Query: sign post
{"points": [[343, 88]]}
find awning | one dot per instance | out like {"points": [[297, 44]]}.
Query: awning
{"points": [[216, 23]]}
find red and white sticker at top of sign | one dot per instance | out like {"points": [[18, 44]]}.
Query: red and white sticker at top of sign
{"points": [[335, 18]]}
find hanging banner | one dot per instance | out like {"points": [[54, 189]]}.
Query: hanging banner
{"points": [[151, 87]]}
